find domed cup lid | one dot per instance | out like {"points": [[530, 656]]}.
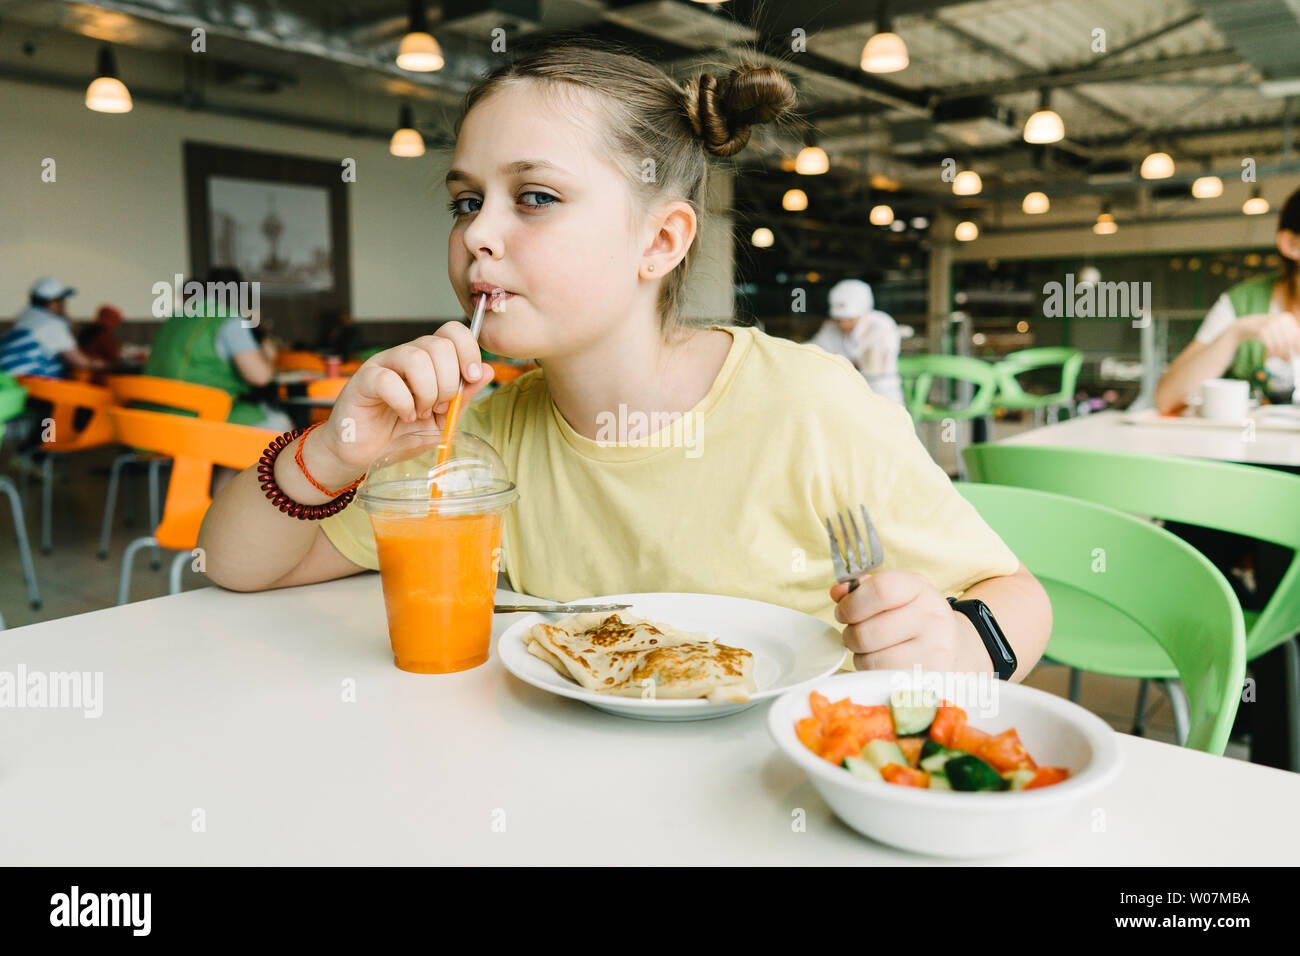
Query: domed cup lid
{"points": [[402, 478]]}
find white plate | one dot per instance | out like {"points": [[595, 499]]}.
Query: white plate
{"points": [[789, 648]]}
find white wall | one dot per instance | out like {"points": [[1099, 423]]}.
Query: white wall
{"points": [[114, 222]]}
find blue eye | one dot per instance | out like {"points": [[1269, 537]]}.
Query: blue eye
{"points": [[457, 211], [552, 199]]}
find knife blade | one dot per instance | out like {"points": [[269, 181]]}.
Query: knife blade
{"points": [[557, 608]]}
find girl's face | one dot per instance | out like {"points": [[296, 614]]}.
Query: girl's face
{"points": [[539, 215]]}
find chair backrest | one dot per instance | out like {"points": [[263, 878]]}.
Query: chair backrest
{"points": [[326, 387], [194, 445], [12, 397], [1243, 499], [918, 373], [67, 397], [210, 404], [1026, 360], [299, 362], [1157, 580]]}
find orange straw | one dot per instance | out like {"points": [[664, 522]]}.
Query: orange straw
{"points": [[453, 411]]}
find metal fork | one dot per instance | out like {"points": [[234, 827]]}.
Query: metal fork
{"points": [[853, 559]]}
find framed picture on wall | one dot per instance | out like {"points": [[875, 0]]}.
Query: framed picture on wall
{"points": [[282, 221]]}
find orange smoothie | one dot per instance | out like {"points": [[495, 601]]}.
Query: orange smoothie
{"points": [[439, 585]]}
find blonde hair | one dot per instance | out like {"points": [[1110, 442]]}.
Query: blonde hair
{"points": [[646, 115]]}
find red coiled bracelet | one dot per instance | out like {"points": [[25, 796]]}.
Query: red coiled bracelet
{"points": [[266, 478]]}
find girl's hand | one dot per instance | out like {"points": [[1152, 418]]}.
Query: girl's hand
{"points": [[1279, 333], [404, 389], [896, 620]]}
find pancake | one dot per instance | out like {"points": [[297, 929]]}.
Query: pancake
{"points": [[628, 656]]}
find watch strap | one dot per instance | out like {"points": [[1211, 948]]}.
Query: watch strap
{"points": [[995, 642]]}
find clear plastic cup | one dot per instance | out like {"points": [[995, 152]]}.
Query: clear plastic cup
{"points": [[438, 556]]}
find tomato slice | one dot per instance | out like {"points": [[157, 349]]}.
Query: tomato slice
{"points": [[820, 705], [947, 723], [911, 747], [874, 723], [1004, 752], [1046, 776], [905, 776], [809, 732]]}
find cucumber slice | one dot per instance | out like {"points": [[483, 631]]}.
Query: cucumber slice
{"points": [[939, 781], [913, 710], [1018, 779], [931, 747], [880, 752], [968, 772], [861, 769], [938, 759]]}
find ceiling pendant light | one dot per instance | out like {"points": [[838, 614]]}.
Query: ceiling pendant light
{"points": [[1208, 186], [967, 183], [106, 93], [762, 237], [885, 52], [407, 141], [1105, 224], [419, 51], [1256, 205], [966, 231], [794, 200], [1045, 126], [881, 215], [1157, 166], [812, 160], [1035, 204]]}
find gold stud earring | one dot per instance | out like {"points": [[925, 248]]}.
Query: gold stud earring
{"points": [[650, 267]]}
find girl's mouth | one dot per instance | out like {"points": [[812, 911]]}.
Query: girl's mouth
{"points": [[497, 296]]}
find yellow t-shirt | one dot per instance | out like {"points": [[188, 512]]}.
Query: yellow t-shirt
{"points": [[729, 498]]}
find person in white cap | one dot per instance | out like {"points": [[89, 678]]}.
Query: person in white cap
{"points": [[864, 335], [41, 341]]}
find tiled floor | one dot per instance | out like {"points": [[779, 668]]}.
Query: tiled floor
{"points": [[73, 580]]}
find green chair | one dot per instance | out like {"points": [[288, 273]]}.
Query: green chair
{"points": [[1243, 499], [918, 373], [13, 397], [1188, 615], [1012, 395]]}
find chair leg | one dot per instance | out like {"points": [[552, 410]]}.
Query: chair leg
{"points": [[155, 510], [1076, 684], [1182, 712], [1292, 685], [1053, 414], [178, 566], [47, 505], [124, 584], [24, 548], [110, 502], [128, 498], [1140, 718], [1038, 416]]}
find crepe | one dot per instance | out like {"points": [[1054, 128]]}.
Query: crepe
{"points": [[627, 656]]}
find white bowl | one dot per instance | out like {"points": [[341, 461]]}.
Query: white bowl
{"points": [[1056, 733]]}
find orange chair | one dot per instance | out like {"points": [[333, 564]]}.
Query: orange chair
{"points": [[324, 388], [65, 438], [350, 368], [210, 404], [194, 445], [299, 362]]}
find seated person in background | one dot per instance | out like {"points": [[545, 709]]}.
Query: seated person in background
{"points": [[864, 335], [215, 348], [40, 341], [98, 339], [343, 338], [1253, 326]]}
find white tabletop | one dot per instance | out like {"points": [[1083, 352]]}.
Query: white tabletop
{"points": [[1108, 430], [232, 705]]}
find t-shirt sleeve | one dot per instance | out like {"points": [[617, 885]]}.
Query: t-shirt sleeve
{"points": [[234, 339], [349, 530], [1216, 321], [53, 336], [925, 525]]}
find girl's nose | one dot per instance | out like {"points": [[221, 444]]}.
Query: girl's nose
{"points": [[484, 234]]}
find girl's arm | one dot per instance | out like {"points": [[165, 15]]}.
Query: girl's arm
{"points": [[1197, 363], [249, 545], [1022, 610]]}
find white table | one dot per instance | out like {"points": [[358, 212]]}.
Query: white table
{"points": [[232, 704], [1107, 430]]}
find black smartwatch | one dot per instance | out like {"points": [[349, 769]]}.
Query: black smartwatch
{"points": [[995, 642]]}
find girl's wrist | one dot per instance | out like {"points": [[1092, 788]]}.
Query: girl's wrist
{"points": [[324, 464]]}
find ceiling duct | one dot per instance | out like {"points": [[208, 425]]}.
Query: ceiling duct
{"points": [[975, 121], [1264, 32], [682, 24]]}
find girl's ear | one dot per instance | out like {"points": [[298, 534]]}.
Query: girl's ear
{"points": [[672, 239]]}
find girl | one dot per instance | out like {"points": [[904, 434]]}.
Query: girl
{"points": [[1252, 331], [576, 184]]}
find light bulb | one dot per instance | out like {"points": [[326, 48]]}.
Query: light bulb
{"points": [[1105, 225], [419, 52], [107, 94], [406, 142], [1035, 203], [966, 231], [762, 237], [884, 53], [1157, 166], [1207, 187], [881, 215], [967, 183], [1045, 126], [794, 200], [811, 161], [1255, 206]]}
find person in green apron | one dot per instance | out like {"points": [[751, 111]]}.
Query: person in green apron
{"points": [[1251, 332], [217, 350]]}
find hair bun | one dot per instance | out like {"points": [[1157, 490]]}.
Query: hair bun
{"points": [[724, 113]]}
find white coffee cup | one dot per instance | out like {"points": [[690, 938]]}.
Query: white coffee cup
{"points": [[1225, 399]]}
